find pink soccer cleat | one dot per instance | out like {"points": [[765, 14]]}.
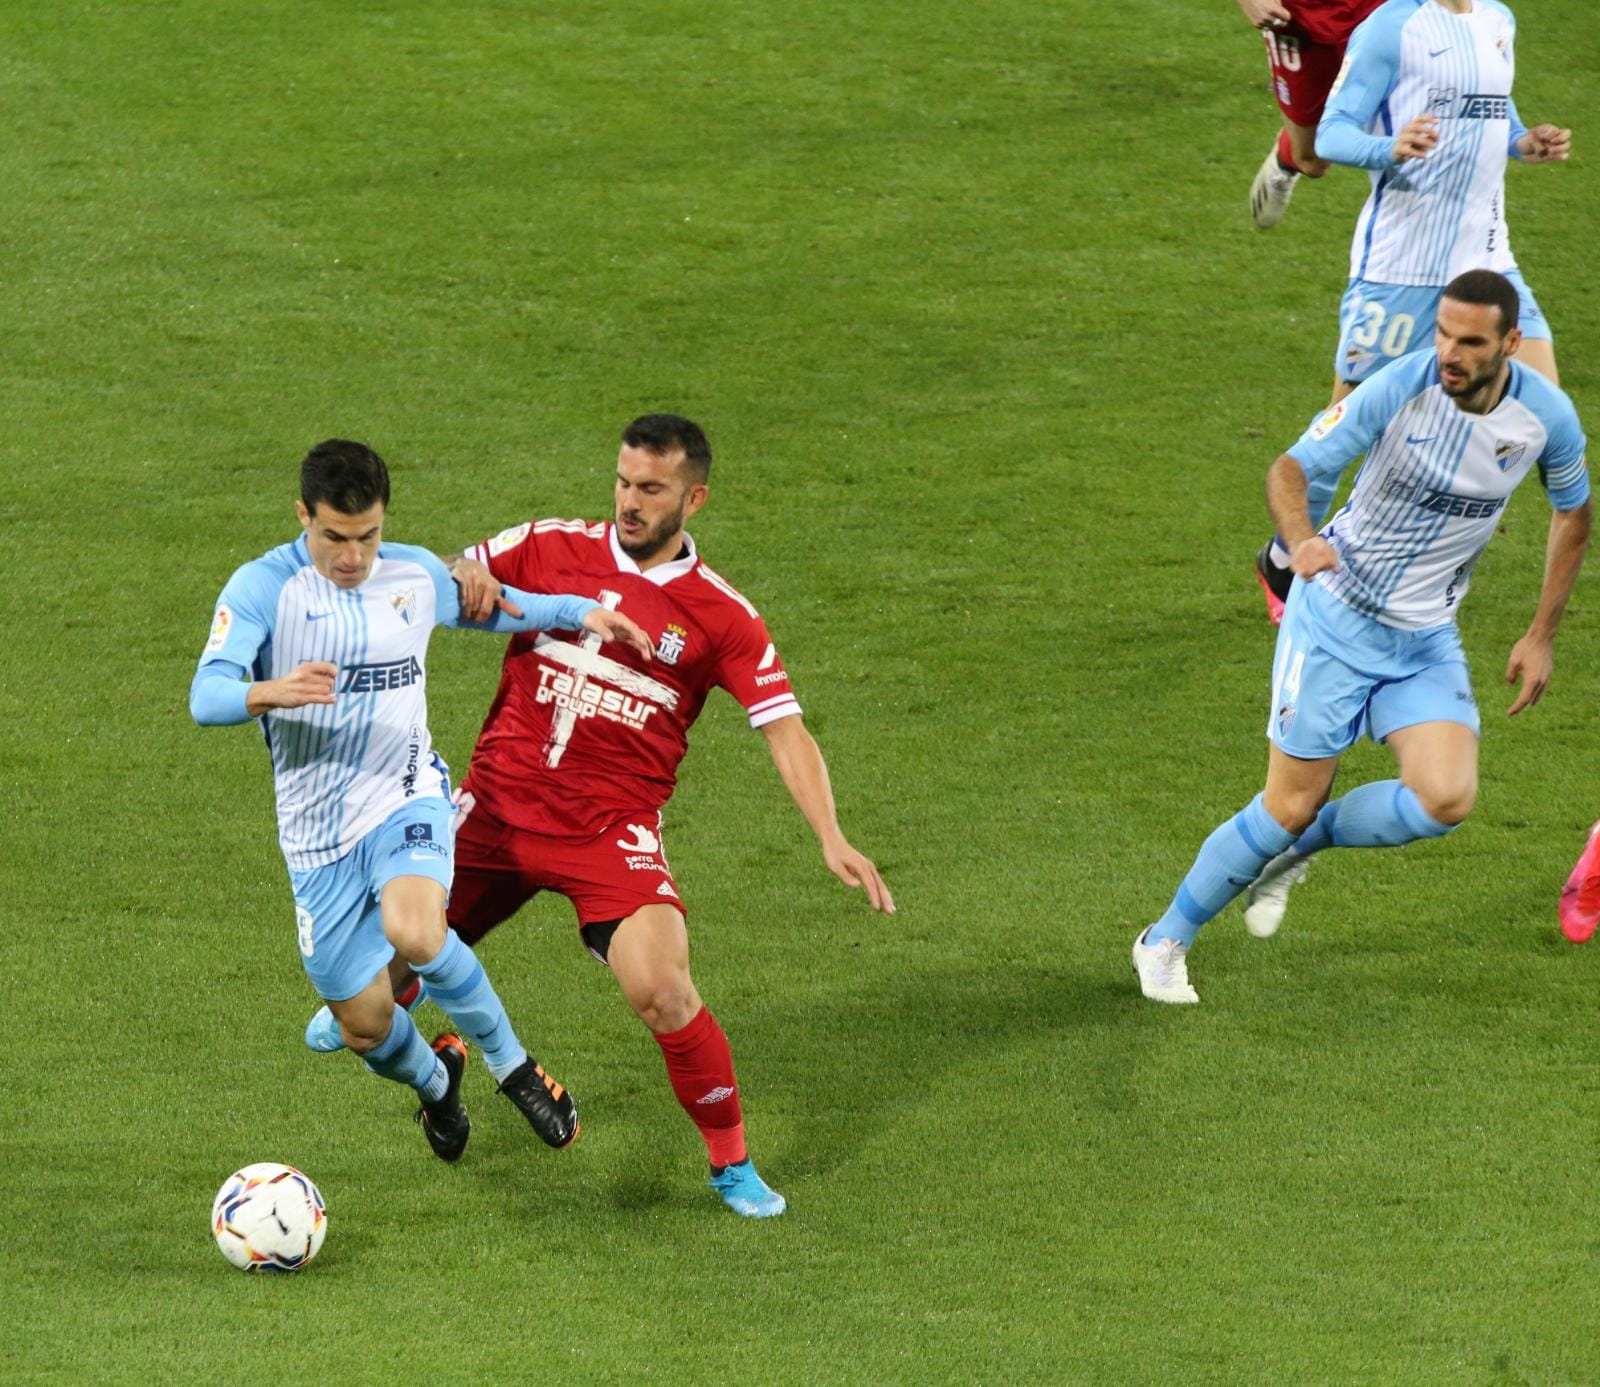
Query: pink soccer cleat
{"points": [[1580, 897], [1274, 582]]}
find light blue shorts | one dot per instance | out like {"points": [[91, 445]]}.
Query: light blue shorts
{"points": [[337, 919], [1378, 322], [1338, 676]]}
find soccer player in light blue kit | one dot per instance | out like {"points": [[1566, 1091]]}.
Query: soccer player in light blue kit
{"points": [[1424, 104], [1368, 644], [333, 631]]}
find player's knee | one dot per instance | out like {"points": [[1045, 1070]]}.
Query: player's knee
{"points": [[1312, 166], [361, 1037], [667, 1003], [417, 938], [1293, 813], [1448, 803]]}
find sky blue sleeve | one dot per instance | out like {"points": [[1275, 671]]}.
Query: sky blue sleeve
{"points": [[1341, 434], [1518, 130], [1561, 465], [540, 612], [1371, 68], [217, 694]]}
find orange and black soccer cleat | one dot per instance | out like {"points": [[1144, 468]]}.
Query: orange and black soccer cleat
{"points": [[545, 1103], [445, 1122]]}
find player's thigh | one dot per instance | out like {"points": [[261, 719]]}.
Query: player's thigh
{"points": [[1320, 685], [1439, 761], [338, 927], [1303, 72], [1379, 323], [412, 859], [496, 872], [615, 873], [649, 957]]}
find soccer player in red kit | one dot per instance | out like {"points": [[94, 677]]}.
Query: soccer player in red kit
{"points": [[580, 751], [1305, 50]]}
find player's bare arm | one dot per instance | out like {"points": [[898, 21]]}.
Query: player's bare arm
{"points": [[1416, 140], [1309, 553], [799, 761], [1544, 144], [1533, 657], [311, 682], [481, 592], [1265, 14]]}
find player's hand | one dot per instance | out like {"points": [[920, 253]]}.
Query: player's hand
{"points": [[480, 591], [310, 682], [1544, 144], [1313, 556], [1265, 14], [855, 869], [1533, 658], [613, 626], [1417, 139]]}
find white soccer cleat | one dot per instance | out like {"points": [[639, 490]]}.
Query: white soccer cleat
{"points": [[1270, 193], [1163, 970], [1268, 896]]}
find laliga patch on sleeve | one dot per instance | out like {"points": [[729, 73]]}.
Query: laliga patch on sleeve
{"points": [[221, 624], [508, 539], [1329, 422]]}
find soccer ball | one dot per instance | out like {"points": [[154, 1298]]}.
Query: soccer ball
{"points": [[268, 1217]]}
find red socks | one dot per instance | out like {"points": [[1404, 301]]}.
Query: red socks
{"points": [[700, 1069], [1285, 153]]}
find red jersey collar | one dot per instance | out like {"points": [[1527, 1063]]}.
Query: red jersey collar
{"points": [[662, 573]]}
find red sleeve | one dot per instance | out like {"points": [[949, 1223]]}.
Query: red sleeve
{"points": [[511, 556], [748, 667]]}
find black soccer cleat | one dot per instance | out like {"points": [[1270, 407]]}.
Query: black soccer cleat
{"points": [[1276, 580], [545, 1103], [445, 1122]]}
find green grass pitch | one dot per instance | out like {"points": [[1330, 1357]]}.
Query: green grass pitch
{"points": [[993, 363]]}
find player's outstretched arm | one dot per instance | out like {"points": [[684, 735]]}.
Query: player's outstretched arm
{"points": [[1533, 657], [805, 774], [480, 592]]}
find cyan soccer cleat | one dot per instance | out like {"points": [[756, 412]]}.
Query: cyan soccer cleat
{"points": [[746, 1193]]}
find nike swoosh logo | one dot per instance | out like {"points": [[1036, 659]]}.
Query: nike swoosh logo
{"points": [[1241, 882], [1415, 441], [1435, 52], [317, 616]]}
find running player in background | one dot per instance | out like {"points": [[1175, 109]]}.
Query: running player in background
{"points": [[1425, 106], [580, 752], [333, 630], [1305, 46], [1369, 644]]}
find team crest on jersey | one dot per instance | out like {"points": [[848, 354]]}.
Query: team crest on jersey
{"points": [[403, 604], [671, 644], [1329, 422], [221, 624], [508, 539], [1509, 453]]}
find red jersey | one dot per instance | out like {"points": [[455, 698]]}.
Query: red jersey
{"points": [[1329, 21], [580, 734]]}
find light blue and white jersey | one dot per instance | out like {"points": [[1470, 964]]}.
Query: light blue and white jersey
{"points": [[1429, 496], [342, 768], [1427, 220]]}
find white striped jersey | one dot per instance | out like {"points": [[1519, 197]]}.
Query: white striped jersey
{"points": [[1430, 494], [1427, 220], [342, 768]]}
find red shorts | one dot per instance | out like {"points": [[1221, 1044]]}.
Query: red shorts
{"points": [[500, 868], [1303, 72]]}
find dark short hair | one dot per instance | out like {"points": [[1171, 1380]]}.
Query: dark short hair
{"points": [[661, 433], [348, 477], [1490, 289]]}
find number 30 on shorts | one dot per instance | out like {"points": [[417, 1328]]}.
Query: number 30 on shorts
{"points": [[1376, 329]]}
